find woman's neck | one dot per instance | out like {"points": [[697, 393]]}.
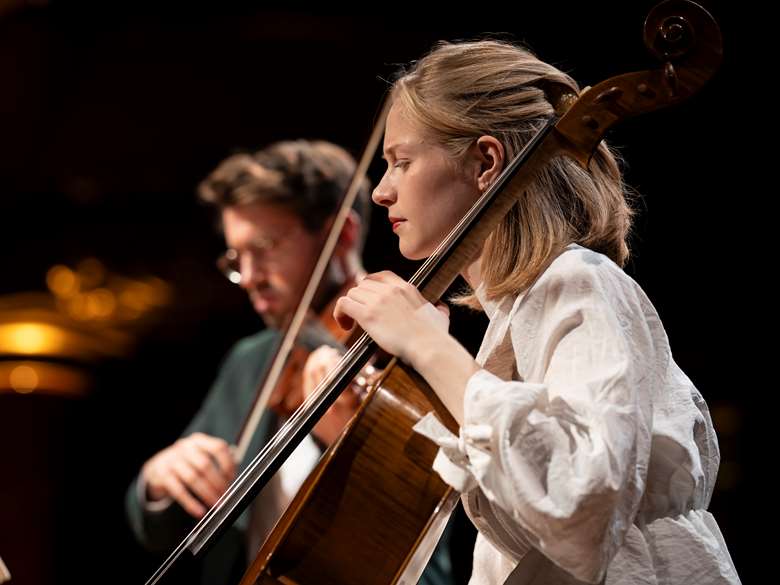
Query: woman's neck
{"points": [[473, 273]]}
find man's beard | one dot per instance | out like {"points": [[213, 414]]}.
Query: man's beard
{"points": [[327, 290], [272, 320]]}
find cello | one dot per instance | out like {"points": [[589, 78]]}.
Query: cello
{"points": [[337, 529]]}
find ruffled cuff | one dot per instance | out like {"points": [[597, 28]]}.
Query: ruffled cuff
{"points": [[464, 460]]}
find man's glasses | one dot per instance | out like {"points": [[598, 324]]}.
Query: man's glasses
{"points": [[229, 263]]}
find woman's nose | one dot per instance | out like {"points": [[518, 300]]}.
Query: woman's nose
{"points": [[384, 193]]}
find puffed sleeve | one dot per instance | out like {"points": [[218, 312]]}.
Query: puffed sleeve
{"points": [[562, 452]]}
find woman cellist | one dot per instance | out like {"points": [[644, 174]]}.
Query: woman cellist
{"points": [[584, 453]]}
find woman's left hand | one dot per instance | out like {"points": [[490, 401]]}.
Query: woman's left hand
{"points": [[393, 313]]}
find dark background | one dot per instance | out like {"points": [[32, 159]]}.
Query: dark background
{"points": [[111, 113]]}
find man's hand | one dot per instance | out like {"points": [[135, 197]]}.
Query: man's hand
{"points": [[194, 471], [321, 361]]}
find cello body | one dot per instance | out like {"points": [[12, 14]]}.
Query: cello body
{"points": [[378, 475]]}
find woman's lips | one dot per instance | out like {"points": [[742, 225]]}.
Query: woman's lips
{"points": [[396, 221]]}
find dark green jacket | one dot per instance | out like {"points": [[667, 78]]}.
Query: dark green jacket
{"points": [[222, 415]]}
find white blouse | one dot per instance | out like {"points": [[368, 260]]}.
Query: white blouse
{"points": [[586, 454]]}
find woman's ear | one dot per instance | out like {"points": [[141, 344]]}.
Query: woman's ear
{"points": [[491, 158]]}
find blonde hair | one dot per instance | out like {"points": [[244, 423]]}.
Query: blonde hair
{"points": [[461, 91]]}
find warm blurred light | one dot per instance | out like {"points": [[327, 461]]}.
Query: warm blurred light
{"points": [[91, 272], [91, 294], [77, 307], [133, 298], [159, 292], [138, 297], [43, 377], [31, 339], [23, 379], [62, 281], [100, 303], [89, 314]]}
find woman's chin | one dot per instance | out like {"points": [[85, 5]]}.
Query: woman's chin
{"points": [[412, 252]]}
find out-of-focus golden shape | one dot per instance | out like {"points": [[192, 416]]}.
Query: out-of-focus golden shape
{"points": [[32, 339], [40, 335], [91, 273], [27, 377], [90, 314], [62, 281]]}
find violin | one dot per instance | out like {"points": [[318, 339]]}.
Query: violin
{"points": [[320, 329]]}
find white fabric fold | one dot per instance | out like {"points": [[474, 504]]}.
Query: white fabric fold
{"points": [[583, 439]]}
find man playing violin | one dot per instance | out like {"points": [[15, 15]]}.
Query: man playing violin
{"points": [[276, 207]]}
